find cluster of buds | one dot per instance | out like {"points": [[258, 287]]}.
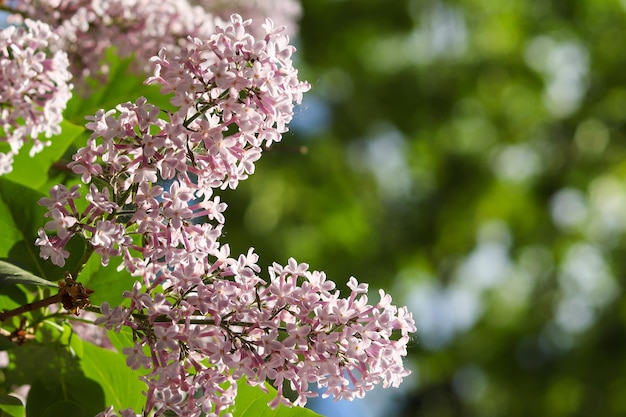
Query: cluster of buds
{"points": [[34, 88]]}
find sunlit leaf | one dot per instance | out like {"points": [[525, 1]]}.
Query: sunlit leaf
{"points": [[107, 282], [11, 406], [121, 339], [252, 402], [123, 86], [120, 384], [32, 171], [12, 297]]}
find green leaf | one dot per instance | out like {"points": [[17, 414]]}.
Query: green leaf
{"points": [[120, 384], [20, 218], [12, 297], [11, 406], [108, 284], [32, 171], [53, 374], [31, 362], [123, 86], [79, 395], [66, 409], [121, 339], [11, 275], [11, 233], [252, 402]]}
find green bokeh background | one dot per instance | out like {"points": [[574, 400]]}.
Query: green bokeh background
{"points": [[468, 157]]}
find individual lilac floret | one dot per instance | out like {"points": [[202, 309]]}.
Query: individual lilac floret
{"points": [[34, 89]]}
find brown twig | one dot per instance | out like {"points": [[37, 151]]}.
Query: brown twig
{"points": [[73, 295], [56, 298]]}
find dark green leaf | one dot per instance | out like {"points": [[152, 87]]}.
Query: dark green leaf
{"points": [[50, 363], [76, 392], [53, 372], [11, 275], [66, 409], [20, 218]]}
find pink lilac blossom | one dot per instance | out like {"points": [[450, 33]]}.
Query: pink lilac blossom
{"points": [[211, 141], [34, 88], [287, 330], [204, 319], [139, 28]]}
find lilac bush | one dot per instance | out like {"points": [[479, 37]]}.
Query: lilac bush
{"points": [[202, 318]]}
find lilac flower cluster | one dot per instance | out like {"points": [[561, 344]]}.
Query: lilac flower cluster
{"points": [[77, 33], [141, 27], [210, 329], [202, 318], [34, 88], [233, 94]]}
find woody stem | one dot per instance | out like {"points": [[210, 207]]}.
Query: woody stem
{"points": [[31, 306]]}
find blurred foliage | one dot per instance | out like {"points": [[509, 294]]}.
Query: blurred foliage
{"points": [[468, 157]]}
